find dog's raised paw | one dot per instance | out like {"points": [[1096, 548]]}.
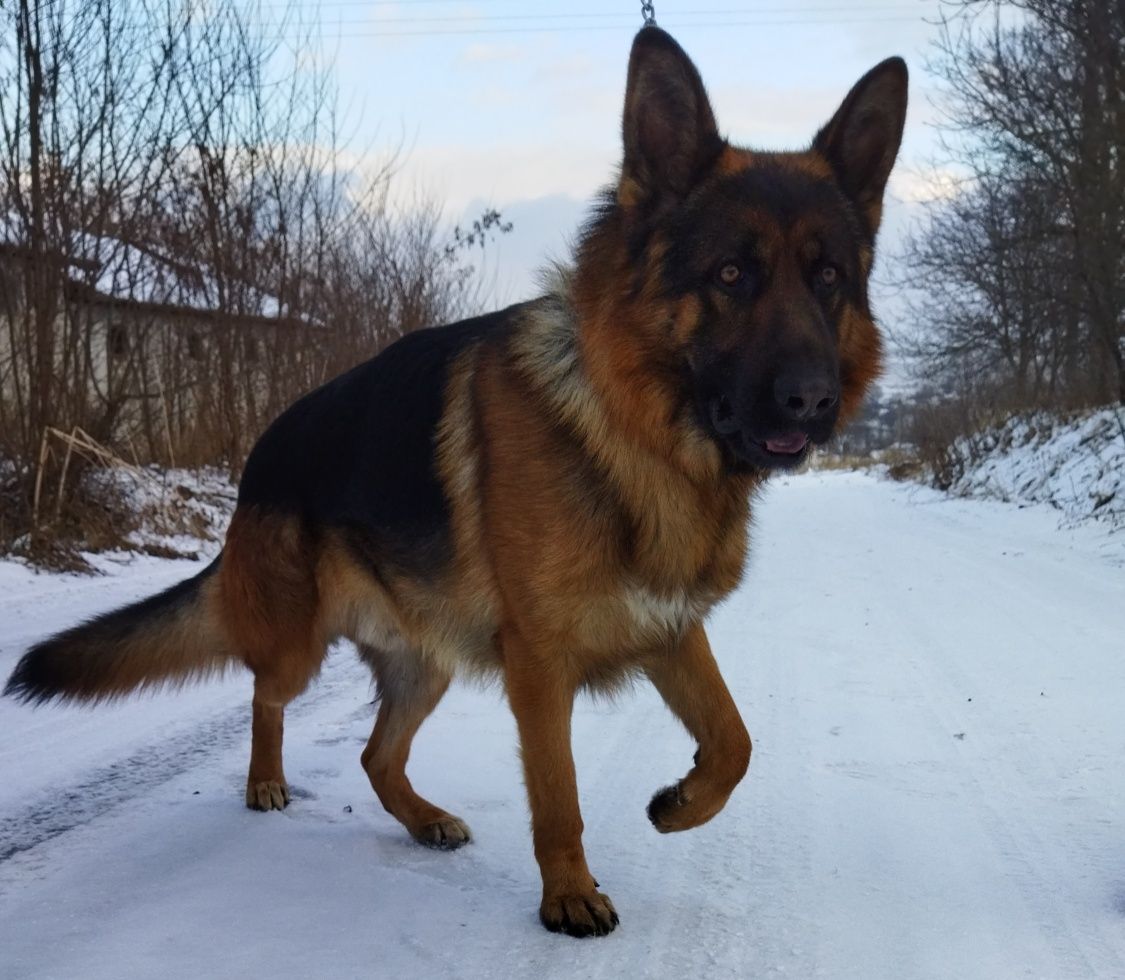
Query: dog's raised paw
{"points": [[590, 914], [663, 807]]}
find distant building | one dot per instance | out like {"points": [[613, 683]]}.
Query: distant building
{"points": [[152, 340]]}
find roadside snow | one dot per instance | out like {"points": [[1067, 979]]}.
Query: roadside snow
{"points": [[936, 688], [1075, 464], [179, 512]]}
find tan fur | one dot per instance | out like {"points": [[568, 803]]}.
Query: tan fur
{"points": [[184, 649]]}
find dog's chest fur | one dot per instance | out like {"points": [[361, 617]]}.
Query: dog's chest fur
{"points": [[652, 614]]}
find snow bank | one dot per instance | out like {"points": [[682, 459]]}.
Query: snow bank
{"points": [[1076, 464], [177, 509]]}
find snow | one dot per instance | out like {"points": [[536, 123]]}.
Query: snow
{"points": [[1075, 464], [184, 512], [935, 689]]}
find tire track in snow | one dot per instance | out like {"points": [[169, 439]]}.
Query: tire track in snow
{"points": [[50, 816], [104, 789]]}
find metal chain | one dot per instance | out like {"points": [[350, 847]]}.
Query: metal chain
{"points": [[648, 12]]}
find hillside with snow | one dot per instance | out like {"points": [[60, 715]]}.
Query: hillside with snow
{"points": [[1075, 464]]}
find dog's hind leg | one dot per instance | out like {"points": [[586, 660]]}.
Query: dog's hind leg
{"points": [[409, 689], [266, 786], [270, 614], [278, 679]]}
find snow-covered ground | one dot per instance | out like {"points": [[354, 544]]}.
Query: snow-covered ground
{"points": [[936, 689], [1075, 464]]}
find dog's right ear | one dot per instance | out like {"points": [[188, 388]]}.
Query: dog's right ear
{"points": [[861, 140], [668, 126]]}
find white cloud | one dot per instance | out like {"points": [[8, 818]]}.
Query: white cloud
{"points": [[912, 185], [503, 173]]}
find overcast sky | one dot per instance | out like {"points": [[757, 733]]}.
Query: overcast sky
{"points": [[517, 105]]}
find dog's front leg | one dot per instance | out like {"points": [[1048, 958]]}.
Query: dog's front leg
{"points": [[542, 699], [689, 681]]}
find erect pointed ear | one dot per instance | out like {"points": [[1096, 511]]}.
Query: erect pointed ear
{"points": [[861, 141], [668, 126]]}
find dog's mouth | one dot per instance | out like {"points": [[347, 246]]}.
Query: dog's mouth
{"points": [[769, 445], [779, 452], [791, 444]]}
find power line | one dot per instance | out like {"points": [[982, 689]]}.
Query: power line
{"points": [[624, 25], [309, 29], [476, 18], [752, 9]]}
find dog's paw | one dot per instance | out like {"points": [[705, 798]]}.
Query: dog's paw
{"points": [[684, 805], [446, 834], [665, 808], [589, 914], [267, 795]]}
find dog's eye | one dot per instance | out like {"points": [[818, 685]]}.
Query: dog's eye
{"points": [[828, 276], [730, 274]]}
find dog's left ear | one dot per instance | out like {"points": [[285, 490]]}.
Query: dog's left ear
{"points": [[861, 141], [668, 126]]}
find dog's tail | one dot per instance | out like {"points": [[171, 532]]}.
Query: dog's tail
{"points": [[169, 638]]}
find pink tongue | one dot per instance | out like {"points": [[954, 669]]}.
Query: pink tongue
{"points": [[790, 444]]}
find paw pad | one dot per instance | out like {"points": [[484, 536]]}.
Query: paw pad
{"points": [[662, 805]]}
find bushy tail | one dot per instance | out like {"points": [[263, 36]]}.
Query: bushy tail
{"points": [[169, 638]]}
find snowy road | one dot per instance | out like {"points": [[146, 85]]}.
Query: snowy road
{"points": [[936, 690]]}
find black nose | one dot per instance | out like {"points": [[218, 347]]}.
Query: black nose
{"points": [[803, 396]]}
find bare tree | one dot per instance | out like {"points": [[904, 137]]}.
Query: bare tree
{"points": [[1026, 265], [183, 247]]}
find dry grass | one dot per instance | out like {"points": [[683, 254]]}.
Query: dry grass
{"points": [[87, 499]]}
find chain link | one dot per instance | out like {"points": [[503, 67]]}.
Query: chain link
{"points": [[648, 12]]}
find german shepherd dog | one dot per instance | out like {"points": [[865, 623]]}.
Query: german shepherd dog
{"points": [[556, 493]]}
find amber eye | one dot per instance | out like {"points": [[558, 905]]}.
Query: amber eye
{"points": [[730, 274], [829, 275]]}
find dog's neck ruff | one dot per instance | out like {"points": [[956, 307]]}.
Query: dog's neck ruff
{"points": [[549, 355]]}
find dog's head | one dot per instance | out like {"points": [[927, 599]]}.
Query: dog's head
{"points": [[753, 266]]}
